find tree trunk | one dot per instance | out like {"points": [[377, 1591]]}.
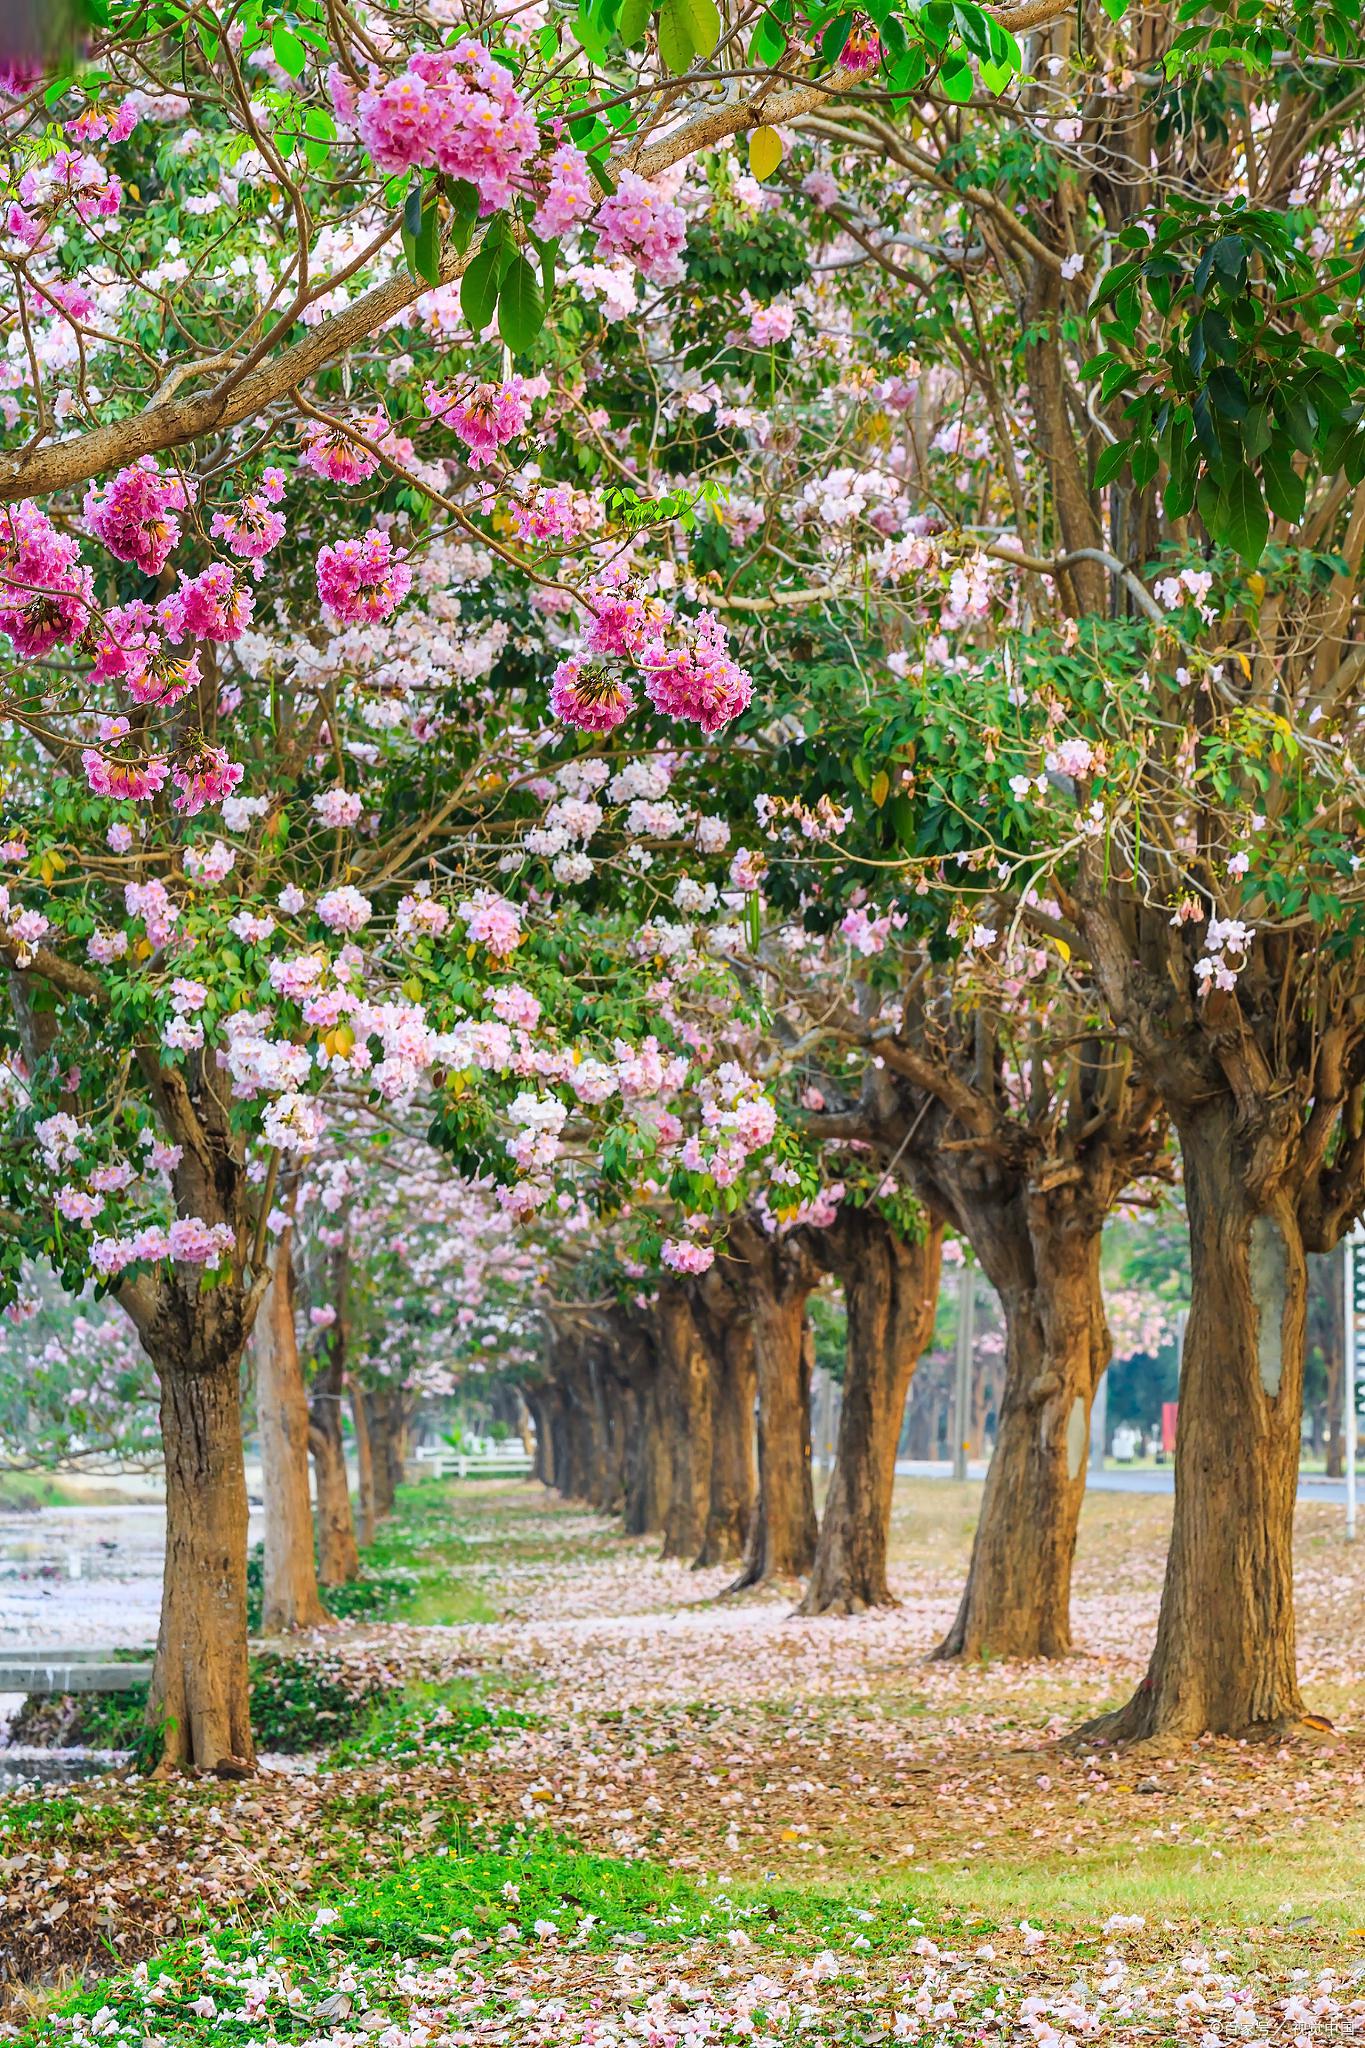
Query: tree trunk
{"points": [[649, 1473], [890, 1296], [385, 1453], [542, 1468], [782, 1545], [1335, 1336], [291, 1599], [364, 1455], [728, 1336], [199, 1691], [1224, 1662], [1017, 1601], [338, 1556], [685, 1391]]}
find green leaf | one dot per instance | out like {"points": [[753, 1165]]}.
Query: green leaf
{"points": [[290, 54], [1109, 462], [1284, 487], [479, 286], [687, 29], [634, 22], [955, 78], [1115, 9], [426, 254], [521, 307], [1245, 522]]}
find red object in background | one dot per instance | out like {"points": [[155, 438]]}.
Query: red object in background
{"points": [[1168, 1415]]}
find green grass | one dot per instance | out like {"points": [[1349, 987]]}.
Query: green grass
{"points": [[423, 1722], [1249, 1885], [20, 1491]]}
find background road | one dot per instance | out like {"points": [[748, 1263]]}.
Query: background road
{"points": [[1125, 1478]]}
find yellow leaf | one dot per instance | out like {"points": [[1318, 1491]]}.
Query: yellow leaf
{"points": [[1246, 666], [881, 787], [143, 949], [765, 152], [1062, 948]]}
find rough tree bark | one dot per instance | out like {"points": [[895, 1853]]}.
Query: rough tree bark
{"points": [[338, 1553], [195, 1337], [727, 1333], [1224, 1661], [364, 1457], [779, 1273], [387, 1431], [890, 1295], [291, 1599], [685, 1393], [1017, 1600]]}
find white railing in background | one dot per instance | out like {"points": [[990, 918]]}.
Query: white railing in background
{"points": [[480, 1456]]}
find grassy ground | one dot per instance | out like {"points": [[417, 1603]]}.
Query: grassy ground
{"points": [[580, 1779], [20, 1491]]}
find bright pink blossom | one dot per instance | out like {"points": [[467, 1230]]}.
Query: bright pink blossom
{"points": [[45, 594], [637, 222], [362, 581], [459, 112], [700, 681], [569, 194], [216, 605], [204, 777], [590, 696], [485, 418], [133, 514], [134, 781], [331, 453]]}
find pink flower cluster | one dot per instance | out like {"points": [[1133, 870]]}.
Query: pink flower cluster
{"points": [[637, 222], [204, 776], [589, 695], [685, 1257], [126, 781], [133, 514], [130, 651], [557, 512], [189, 1240], [568, 194], [363, 581], [459, 112], [698, 681], [491, 921], [485, 418], [45, 594], [688, 673], [253, 527], [94, 123], [71, 179], [216, 605]]}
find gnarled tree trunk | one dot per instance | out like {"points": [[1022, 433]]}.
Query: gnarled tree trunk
{"points": [[1017, 1600], [685, 1393], [194, 1337], [890, 1296], [338, 1554], [364, 1457], [779, 1275], [291, 1599], [1224, 1661], [388, 1432], [728, 1335]]}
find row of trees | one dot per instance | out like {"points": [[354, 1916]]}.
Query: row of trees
{"points": [[742, 634]]}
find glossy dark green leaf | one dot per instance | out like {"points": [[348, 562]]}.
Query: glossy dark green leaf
{"points": [[479, 287], [521, 306]]}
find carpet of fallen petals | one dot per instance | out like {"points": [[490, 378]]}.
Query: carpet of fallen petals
{"points": [[722, 1739]]}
